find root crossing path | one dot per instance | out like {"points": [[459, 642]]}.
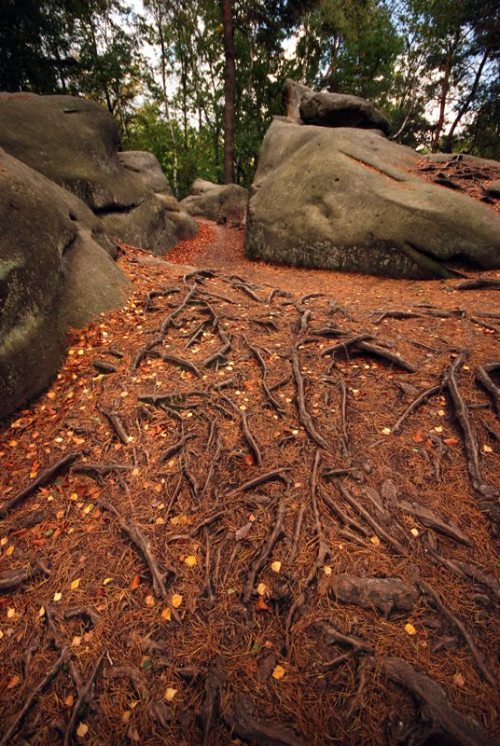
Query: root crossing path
{"points": [[257, 505]]}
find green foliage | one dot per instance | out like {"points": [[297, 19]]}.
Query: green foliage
{"points": [[432, 65]]}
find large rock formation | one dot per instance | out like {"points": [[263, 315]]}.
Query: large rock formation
{"points": [[75, 143], [348, 199], [56, 271], [306, 106], [65, 191], [224, 203]]}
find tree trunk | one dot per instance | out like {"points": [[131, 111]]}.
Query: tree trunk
{"points": [[229, 90], [166, 106], [466, 105], [445, 89]]}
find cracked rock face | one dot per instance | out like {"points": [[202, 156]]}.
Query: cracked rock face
{"points": [[347, 199], [56, 271], [75, 143]]}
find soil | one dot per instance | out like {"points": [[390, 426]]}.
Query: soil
{"points": [[178, 509]]}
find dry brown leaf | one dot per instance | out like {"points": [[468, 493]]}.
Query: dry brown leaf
{"points": [[13, 681], [135, 582]]}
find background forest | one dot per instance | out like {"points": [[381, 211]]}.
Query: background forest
{"points": [[159, 67]]}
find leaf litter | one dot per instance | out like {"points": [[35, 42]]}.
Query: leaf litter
{"points": [[182, 519]]}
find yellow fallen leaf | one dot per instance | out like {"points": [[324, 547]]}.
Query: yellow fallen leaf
{"points": [[11, 613], [76, 641], [327, 570], [41, 611], [126, 716], [262, 589], [191, 561], [13, 681], [74, 584], [57, 596], [278, 672], [438, 429], [149, 601], [69, 701], [82, 730], [170, 694], [73, 496], [166, 614], [1, 634], [410, 629], [414, 532], [107, 581], [9, 550], [176, 600], [375, 541], [486, 449], [276, 566], [386, 431], [459, 680], [3, 541]]}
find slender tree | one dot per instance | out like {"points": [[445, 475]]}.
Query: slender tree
{"points": [[229, 90]]}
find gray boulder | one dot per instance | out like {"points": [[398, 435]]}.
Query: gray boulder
{"points": [[75, 143], [494, 188], [331, 109], [347, 199], [145, 166], [55, 271], [224, 203]]}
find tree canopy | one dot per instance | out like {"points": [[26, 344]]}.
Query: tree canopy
{"points": [[161, 69]]}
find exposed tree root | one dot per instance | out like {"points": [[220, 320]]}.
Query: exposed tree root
{"points": [[304, 416], [250, 440], [378, 529], [117, 425], [84, 698], [241, 721], [264, 553], [33, 696], [462, 414], [12, 579], [464, 730], [482, 375], [421, 398], [478, 658], [479, 283], [141, 543], [431, 520], [45, 478]]}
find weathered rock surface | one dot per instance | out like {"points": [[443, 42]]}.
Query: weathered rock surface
{"points": [[346, 199], [494, 188], [55, 271], [75, 143], [387, 595], [224, 203], [331, 109]]}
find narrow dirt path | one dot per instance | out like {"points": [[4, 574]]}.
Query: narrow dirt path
{"points": [[257, 505]]}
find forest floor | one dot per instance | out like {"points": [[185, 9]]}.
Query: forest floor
{"points": [[257, 505]]}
